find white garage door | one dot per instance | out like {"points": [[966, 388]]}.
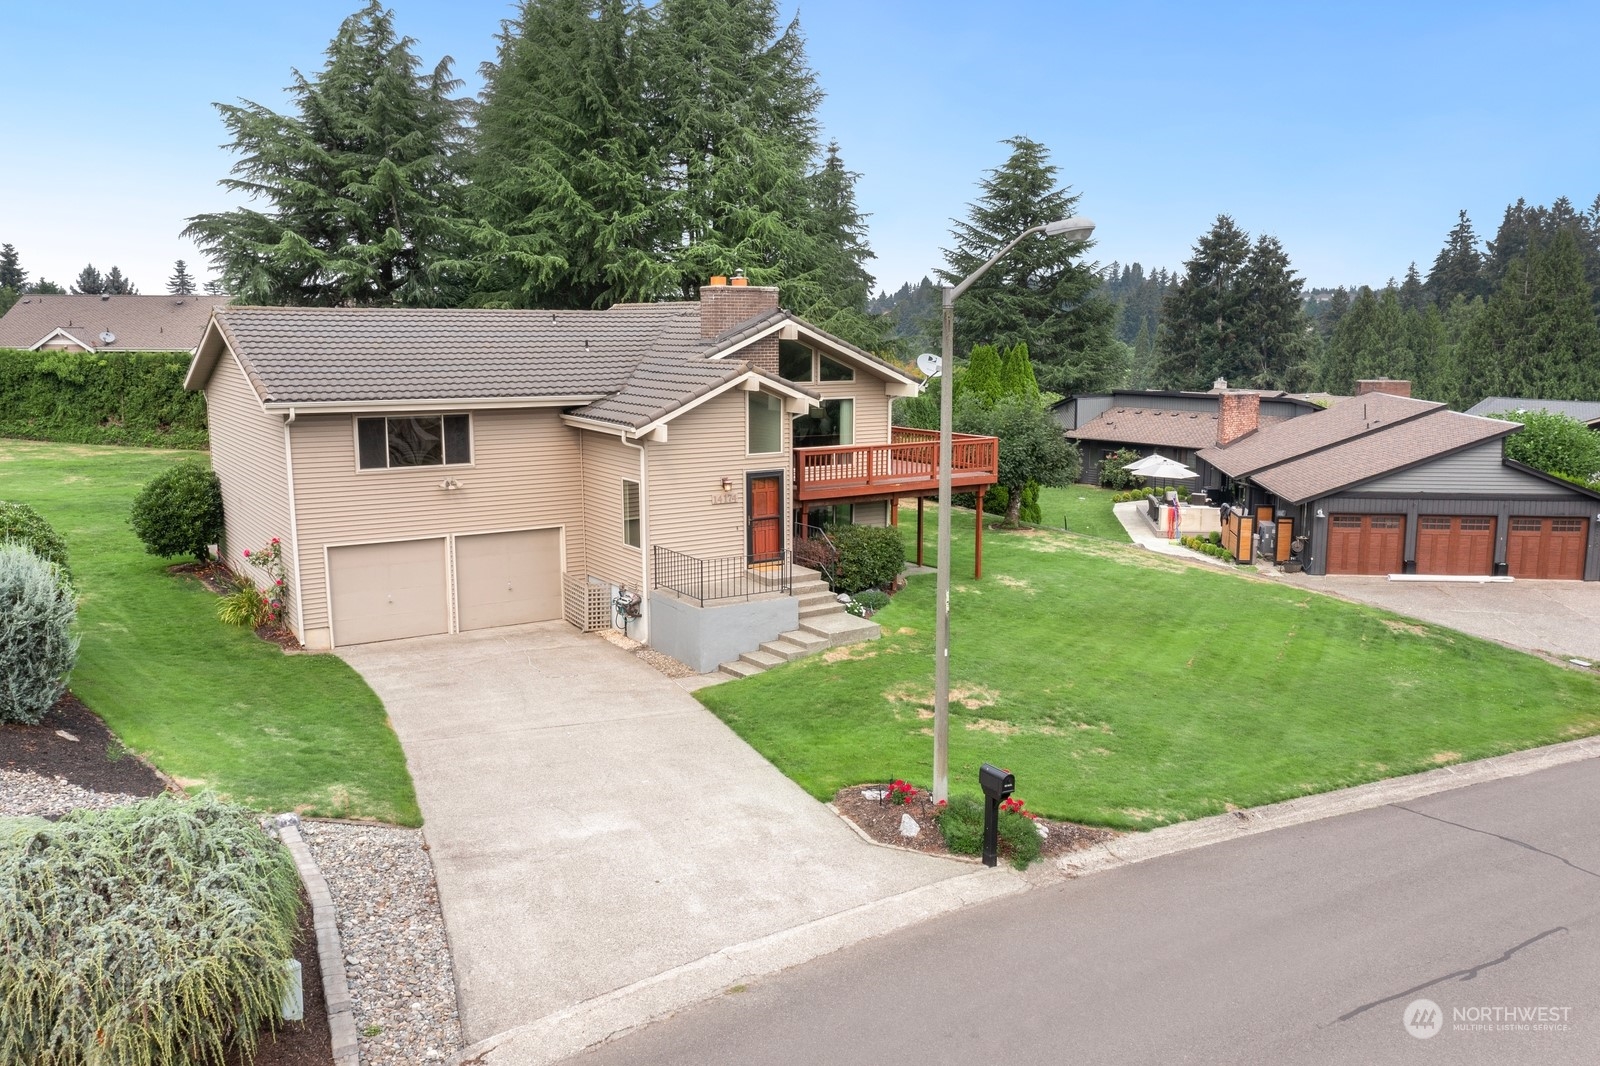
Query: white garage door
{"points": [[388, 591], [503, 579]]}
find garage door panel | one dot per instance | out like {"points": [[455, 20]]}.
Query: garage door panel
{"points": [[505, 579], [1455, 544], [1366, 544], [388, 591], [1547, 548]]}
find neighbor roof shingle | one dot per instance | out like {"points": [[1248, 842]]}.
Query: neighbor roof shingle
{"points": [[1154, 426], [139, 323], [1582, 410], [1347, 419]]}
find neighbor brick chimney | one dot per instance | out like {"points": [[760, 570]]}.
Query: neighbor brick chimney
{"points": [[1389, 385], [1238, 413], [724, 306]]}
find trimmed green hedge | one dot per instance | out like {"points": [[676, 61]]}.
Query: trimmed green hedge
{"points": [[101, 398]]}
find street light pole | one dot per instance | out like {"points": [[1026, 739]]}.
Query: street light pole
{"points": [[1078, 229]]}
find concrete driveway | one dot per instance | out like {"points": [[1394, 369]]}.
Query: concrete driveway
{"points": [[1560, 618], [592, 826]]}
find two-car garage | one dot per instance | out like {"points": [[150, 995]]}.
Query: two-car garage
{"points": [[455, 583]]}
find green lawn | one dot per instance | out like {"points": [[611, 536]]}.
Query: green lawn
{"points": [[1085, 508], [1129, 690], [211, 705]]}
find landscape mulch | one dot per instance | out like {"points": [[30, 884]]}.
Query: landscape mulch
{"points": [[880, 820], [72, 743], [303, 1043], [220, 579]]}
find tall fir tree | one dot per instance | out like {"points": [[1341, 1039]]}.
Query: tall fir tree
{"points": [[1042, 294], [834, 293], [117, 285], [361, 183], [214, 287], [1338, 307], [1458, 268], [565, 191], [1202, 318], [12, 276], [1142, 361], [1016, 374], [90, 282], [1275, 342], [1413, 293], [181, 283]]}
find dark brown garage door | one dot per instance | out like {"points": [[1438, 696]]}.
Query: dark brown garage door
{"points": [[1450, 545], [1366, 543], [1547, 548]]}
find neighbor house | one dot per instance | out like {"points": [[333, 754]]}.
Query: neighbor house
{"points": [[1150, 421], [107, 323], [438, 471], [1585, 411], [1381, 483]]}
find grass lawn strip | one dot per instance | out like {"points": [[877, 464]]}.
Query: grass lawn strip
{"points": [[211, 705], [1129, 690], [1086, 509]]}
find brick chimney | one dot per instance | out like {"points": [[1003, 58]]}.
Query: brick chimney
{"points": [[724, 306], [1389, 385], [1238, 413]]}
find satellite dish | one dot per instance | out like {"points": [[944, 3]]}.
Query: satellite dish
{"points": [[107, 337], [928, 363]]}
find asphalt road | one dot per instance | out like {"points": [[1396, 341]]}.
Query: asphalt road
{"points": [[1304, 945]]}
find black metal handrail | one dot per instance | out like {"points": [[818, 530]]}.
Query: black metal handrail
{"points": [[728, 577], [804, 531]]}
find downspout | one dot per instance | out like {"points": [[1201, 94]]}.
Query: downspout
{"points": [[294, 533], [644, 539]]}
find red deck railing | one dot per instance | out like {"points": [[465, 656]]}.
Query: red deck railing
{"points": [[908, 466]]}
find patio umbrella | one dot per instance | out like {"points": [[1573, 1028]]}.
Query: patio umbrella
{"points": [[1167, 470], [1138, 465]]}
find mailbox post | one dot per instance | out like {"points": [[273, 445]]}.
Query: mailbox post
{"points": [[997, 784]]}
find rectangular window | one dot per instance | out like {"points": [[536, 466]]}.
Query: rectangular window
{"points": [[630, 513], [831, 425], [765, 430], [1566, 525], [1476, 525], [1346, 521], [832, 371], [413, 440], [1430, 522], [1384, 521], [794, 361], [1527, 525]]}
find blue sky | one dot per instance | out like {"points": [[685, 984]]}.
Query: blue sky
{"points": [[1354, 132]]}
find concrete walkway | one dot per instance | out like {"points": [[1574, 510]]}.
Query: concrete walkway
{"points": [[1139, 530], [592, 827]]}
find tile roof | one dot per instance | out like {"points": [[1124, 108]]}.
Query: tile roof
{"points": [[1350, 418], [1582, 410], [1393, 446], [1155, 426], [139, 323]]}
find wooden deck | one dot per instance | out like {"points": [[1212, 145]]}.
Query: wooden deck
{"points": [[908, 466]]}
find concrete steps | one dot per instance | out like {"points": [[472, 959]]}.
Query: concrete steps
{"points": [[824, 623]]}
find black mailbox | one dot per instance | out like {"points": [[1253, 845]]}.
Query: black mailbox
{"points": [[997, 783]]}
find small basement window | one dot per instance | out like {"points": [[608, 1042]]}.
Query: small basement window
{"points": [[630, 513], [420, 440]]}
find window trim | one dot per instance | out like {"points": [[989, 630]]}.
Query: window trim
{"points": [[355, 439], [782, 425], [638, 517]]}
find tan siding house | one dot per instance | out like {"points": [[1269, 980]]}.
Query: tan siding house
{"points": [[436, 471]]}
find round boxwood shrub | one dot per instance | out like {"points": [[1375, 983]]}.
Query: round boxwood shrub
{"points": [[37, 648], [869, 556], [179, 512], [151, 933], [21, 524]]}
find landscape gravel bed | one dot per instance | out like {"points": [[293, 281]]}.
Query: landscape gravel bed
{"points": [[23, 792], [397, 959]]}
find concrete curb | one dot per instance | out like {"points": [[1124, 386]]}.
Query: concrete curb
{"points": [[330, 952], [566, 1032], [1138, 847]]}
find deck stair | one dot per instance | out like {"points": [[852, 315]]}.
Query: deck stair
{"points": [[824, 624]]}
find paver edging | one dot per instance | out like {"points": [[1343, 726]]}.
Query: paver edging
{"points": [[330, 951]]}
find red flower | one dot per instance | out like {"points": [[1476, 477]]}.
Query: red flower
{"points": [[280, 581], [247, 553], [274, 540]]}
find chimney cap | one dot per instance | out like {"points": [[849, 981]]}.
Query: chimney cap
{"points": [[1220, 384]]}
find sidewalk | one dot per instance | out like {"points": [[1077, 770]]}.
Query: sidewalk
{"points": [[1141, 533]]}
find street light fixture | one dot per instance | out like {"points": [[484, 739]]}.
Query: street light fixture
{"points": [[1077, 229]]}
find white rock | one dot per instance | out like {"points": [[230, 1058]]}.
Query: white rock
{"points": [[909, 826], [844, 597], [873, 793], [64, 735], [1044, 834]]}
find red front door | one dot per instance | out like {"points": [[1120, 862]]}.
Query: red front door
{"points": [[765, 497]]}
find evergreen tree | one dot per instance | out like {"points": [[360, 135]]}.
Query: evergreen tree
{"points": [[1042, 294], [1458, 268], [1413, 293], [982, 380], [1142, 360], [734, 112], [1338, 307], [1356, 334], [90, 282], [566, 168], [361, 183], [834, 293], [117, 285], [214, 288], [12, 276], [1016, 374], [44, 287], [8, 298], [1274, 333], [1203, 314], [182, 282]]}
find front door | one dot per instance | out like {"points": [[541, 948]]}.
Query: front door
{"points": [[765, 495]]}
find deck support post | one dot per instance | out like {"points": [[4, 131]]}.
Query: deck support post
{"points": [[919, 530], [977, 552], [893, 504], [805, 520]]}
